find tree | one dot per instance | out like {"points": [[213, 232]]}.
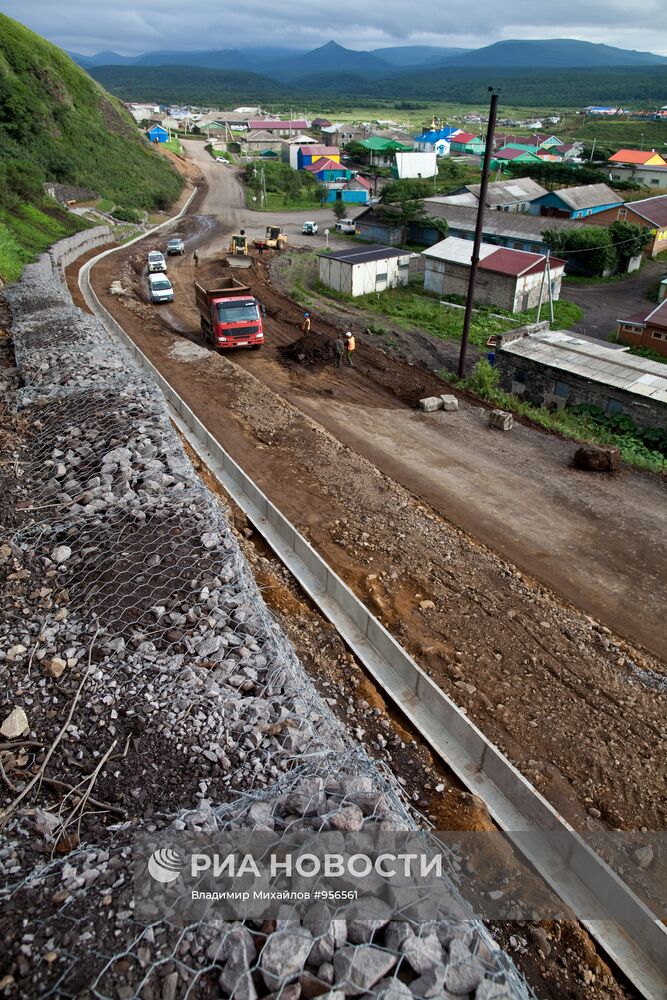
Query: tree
{"points": [[403, 203], [338, 209], [629, 240], [589, 250]]}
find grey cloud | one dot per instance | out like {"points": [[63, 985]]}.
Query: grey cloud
{"points": [[132, 27]]}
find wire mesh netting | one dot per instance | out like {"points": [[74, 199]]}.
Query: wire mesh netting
{"points": [[146, 688]]}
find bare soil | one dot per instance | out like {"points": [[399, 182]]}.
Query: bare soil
{"points": [[578, 709]]}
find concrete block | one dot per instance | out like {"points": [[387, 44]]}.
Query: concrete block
{"points": [[501, 420], [430, 403], [450, 403]]}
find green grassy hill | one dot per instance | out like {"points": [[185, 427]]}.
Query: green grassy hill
{"points": [[57, 124]]}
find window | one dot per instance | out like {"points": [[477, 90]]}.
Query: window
{"points": [[404, 264], [622, 213], [379, 278], [520, 376], [613, 406], [656, 335], [561, 389], [655, 180]]}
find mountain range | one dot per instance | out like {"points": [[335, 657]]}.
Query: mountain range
{"points": [[290, 65]]}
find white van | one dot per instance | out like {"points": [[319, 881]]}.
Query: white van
{"points": [[156, 262], [346, 226], [160, 288]]}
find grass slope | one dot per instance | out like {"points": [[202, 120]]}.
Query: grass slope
{"points": [[56, 124]]}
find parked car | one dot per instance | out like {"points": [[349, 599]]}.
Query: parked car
{"points": [[160, 288], [175, 246], [346, 226], [156, 262], [309, 228]]}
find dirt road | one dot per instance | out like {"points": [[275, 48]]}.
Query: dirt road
{"points": [[606, 303]]}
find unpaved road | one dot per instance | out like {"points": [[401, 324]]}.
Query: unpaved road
{"points": [[606, 303], [579, 711], [600, 542]]}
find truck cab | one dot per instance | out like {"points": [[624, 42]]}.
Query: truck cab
{"points": [[230, 316]]}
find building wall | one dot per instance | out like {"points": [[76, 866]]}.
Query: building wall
{"points": [[543, 385], [351, 198], [654, 179], [649, 336], [364, 278], [552, 202], [376, 232], [491, 289], [624, 213]]}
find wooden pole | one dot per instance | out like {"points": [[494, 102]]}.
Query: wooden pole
{"points": [[479, 225]]}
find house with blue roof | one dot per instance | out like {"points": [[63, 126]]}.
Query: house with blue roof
{"points": [[436, 140]]}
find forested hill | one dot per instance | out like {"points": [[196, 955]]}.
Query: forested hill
{"points": [[556, 87], [57, 124]]}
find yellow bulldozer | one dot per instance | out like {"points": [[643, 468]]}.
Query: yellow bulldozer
{"points": [[238, 251], [275, 239]]}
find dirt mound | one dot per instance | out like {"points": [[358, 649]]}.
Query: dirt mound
{"points": [[314, 350]]}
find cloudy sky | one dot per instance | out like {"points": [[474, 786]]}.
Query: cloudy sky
{"points": [[134, 26]]}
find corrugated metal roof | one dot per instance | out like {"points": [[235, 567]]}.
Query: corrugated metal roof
{"points": [[363, 255], [634, 156], [324, 164], [298, 124], [509, 192], [502, 260], [320, 150], [597, 362], [588, 196], [458, 251], [654, 210], [512, 225]]}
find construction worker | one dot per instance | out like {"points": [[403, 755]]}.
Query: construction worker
{"points": [[350, 345], [195, 257], [305, 326], [339, 349]]}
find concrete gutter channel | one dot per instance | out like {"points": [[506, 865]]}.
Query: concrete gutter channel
{"points": [[574, 871]]}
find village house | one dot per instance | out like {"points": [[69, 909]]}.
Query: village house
{"points": [[508, 279], [342, 134], [554, 368], [436, 140], [290, 148], [513, 195], [576, 202], [466, 142], [278, 126], [647, 328], [513, 230], [513, 154], [637, 158], [363, 270], [310, 154], [254, 143], [651, 213], [326, 170]]}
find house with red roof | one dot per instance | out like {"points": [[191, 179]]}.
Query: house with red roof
{"points": [[326, 170], [647, 328], [279, 126], [466, 142], [513, 154], [507, 279]]}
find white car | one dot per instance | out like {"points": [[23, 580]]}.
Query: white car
{"points": [[309, 228], [160, 288], [156, 262]]}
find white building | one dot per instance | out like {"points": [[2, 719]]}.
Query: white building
{"points": [[366, 269], [415, 165]]}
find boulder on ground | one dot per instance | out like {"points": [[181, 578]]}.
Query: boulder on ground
{"points": [[450, 403], [430, 403], [597, 458], [501, 420]]}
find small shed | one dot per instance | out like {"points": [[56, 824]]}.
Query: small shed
{"points": [[366, 269], [156, 133]]}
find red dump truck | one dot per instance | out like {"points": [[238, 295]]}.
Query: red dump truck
{"points": [[229, 315]]}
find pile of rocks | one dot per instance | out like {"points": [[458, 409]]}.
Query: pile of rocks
{"points": [[143, 684]]}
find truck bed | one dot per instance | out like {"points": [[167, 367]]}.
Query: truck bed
{"points": [[225, 288]]}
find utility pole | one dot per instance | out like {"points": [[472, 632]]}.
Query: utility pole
{"points": [[590, 158], [479, 226]]}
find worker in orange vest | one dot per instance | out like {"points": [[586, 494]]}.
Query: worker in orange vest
{"points": [[350, 345], [305, 326]]}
